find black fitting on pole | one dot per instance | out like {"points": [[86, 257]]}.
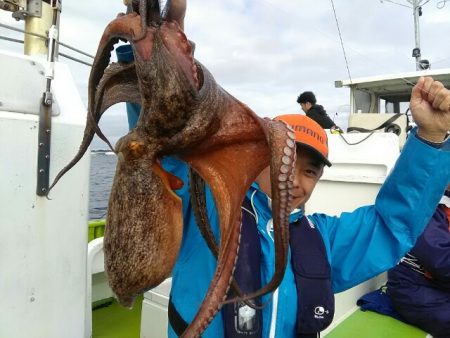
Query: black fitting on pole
{"points": [[44, 139]]}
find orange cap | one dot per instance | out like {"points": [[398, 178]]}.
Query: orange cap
{"points": [[308, 133]]}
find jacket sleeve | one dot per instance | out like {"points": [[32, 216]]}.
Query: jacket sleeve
{"points": [[433, 247], [372, 239]]}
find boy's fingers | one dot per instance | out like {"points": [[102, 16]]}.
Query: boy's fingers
{"points": [[428, 83], [444, 104], [438, 98], [416, 93], [435, 90]]}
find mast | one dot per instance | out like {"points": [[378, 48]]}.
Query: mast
{"points": [[416, 53], [417, 13]]}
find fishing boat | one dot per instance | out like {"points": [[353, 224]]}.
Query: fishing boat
{"points": [[52, 261]]}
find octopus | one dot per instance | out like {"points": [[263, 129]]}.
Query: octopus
{"points": [[184, 113]]}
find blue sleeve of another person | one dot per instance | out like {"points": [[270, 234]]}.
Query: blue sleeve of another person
{"points": [[125, 55]]}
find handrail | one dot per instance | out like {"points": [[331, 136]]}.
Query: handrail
{"points": [[96, 228]]}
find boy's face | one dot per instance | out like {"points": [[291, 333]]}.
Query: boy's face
{"points": [[308, 170]]}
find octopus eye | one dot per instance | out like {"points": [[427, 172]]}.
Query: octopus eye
{"points": [[136, 148]]}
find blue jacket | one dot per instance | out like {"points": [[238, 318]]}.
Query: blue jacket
{"points": [[360, 244]]}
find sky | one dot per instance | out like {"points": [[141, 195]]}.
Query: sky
{"points": [[266, 52]]}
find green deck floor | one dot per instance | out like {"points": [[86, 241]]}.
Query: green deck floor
{"points": [[115, 321], [373, 325]]}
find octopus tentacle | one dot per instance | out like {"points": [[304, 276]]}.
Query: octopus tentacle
{"points": [[281, 142], [228, 205], [198, 201], [117, 85], [120, 28], [217, 290], [241, 135], [123, 27], [149, 12], [143, 15]]}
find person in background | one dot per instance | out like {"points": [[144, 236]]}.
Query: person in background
{"points": [[419, 286], [308, 103]]}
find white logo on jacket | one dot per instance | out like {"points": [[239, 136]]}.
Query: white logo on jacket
{"points": [[319, 311]]}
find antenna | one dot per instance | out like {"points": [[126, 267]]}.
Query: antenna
{"points": [[417, 12]]}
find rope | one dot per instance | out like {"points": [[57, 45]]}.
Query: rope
{"points": [[353, 144], [342, 42]]}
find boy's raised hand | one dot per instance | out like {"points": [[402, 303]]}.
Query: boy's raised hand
{"points": [[430, 107]]}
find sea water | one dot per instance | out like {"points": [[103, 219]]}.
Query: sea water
{"points": [[103, 167]]}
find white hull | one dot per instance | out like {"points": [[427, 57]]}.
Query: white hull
{"points": [[43, 242]]}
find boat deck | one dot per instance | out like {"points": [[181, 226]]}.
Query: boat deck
{"points": [[373, 325], [114, 321]]}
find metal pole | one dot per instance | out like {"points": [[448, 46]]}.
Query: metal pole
{"points": [[34, 45], [416, 52]]}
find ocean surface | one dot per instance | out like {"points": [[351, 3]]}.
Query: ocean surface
{"points": [[103, 167]]}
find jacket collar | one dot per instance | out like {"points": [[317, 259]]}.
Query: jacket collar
{"points": [[262, 205]]}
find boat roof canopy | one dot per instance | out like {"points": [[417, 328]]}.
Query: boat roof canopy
{"points": [[394, 87]]}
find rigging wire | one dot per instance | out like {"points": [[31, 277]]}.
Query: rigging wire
{"points": [[75, 49], [75, 59], [10, 39], [441, 60], [60, 54], [45, 37], [342, 42], [419, 4], [22, 31], [396, 3], [441, 4]]}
